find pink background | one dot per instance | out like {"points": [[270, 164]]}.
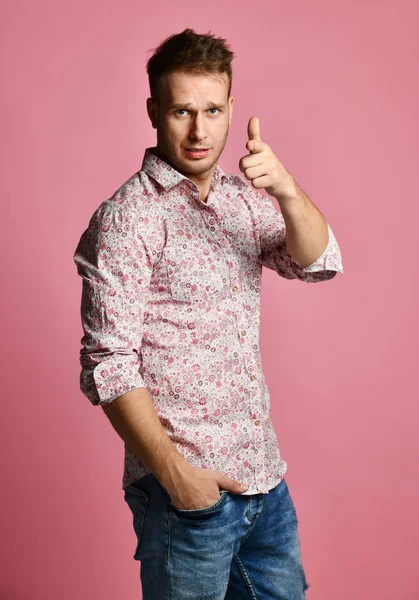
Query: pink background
{"points": [[335, 86]]}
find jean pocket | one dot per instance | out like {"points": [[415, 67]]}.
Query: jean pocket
{"points": [[199, 512], [137, 500]]}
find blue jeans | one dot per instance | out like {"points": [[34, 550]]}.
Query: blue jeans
{"points": [[239, 548]]}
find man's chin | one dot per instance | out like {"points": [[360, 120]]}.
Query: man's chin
{"points": [[199, 165], [197, 169]]}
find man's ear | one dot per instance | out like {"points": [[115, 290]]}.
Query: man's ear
{"points": [[151, 110]]}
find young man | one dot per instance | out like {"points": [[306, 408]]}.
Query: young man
{"points": [[171, 267]]}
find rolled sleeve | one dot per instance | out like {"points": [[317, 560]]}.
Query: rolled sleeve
{"points": [[115, 266], [271, 230], [329, 260]]}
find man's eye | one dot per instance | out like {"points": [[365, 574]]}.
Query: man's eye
{"points": [[183, 110]]}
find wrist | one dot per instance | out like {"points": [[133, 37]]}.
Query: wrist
{"points": [[288, 194], [175, 468]]}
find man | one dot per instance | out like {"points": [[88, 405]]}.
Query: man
{"points": [[171, 267]]}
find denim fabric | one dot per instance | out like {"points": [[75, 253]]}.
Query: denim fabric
{"points": [[242, 547]]}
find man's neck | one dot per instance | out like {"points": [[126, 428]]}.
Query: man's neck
{"points": [[204, 187]]}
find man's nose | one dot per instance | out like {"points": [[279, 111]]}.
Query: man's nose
{"points": [[197, 130]]}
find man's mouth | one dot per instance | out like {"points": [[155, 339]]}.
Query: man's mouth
{"points": [[197, 152]]}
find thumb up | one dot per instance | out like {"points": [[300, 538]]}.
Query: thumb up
{"points": [[253, 133]]}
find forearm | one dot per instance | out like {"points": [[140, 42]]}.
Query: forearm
{"points": [[135, 419], [306, 228]]}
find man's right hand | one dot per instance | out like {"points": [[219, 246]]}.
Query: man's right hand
{"points": [[194, 488]]}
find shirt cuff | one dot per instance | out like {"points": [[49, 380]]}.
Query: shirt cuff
{"points": [[329, 260], [111, 378]]}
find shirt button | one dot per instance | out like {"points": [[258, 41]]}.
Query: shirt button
{"points": [[257, 422], [253, 377], [243, 333], [235, 288]]}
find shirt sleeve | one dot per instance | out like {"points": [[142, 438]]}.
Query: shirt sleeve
{"points": [[271, 230], [115, 266]]}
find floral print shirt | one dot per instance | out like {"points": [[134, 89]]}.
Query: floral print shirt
{"points": [[171, 302]]}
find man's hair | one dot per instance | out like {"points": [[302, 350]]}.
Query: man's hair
{"points": [[190, 52]]}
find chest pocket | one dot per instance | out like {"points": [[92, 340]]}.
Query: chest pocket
{"points": [[197, 271]]}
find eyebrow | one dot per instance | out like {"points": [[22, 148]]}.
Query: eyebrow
{"points": [[188, 104]]}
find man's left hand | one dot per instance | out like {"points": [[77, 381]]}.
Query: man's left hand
{"points": [[263, 168]]}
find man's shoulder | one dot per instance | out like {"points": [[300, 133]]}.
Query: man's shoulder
{"points": [[237, 182], [240, 189], [136, 196], [248, 192]]}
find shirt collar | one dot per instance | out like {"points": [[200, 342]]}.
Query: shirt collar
{"points": [[167, 176]]}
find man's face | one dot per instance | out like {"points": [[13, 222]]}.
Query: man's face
{"points": [[192, 111]]}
